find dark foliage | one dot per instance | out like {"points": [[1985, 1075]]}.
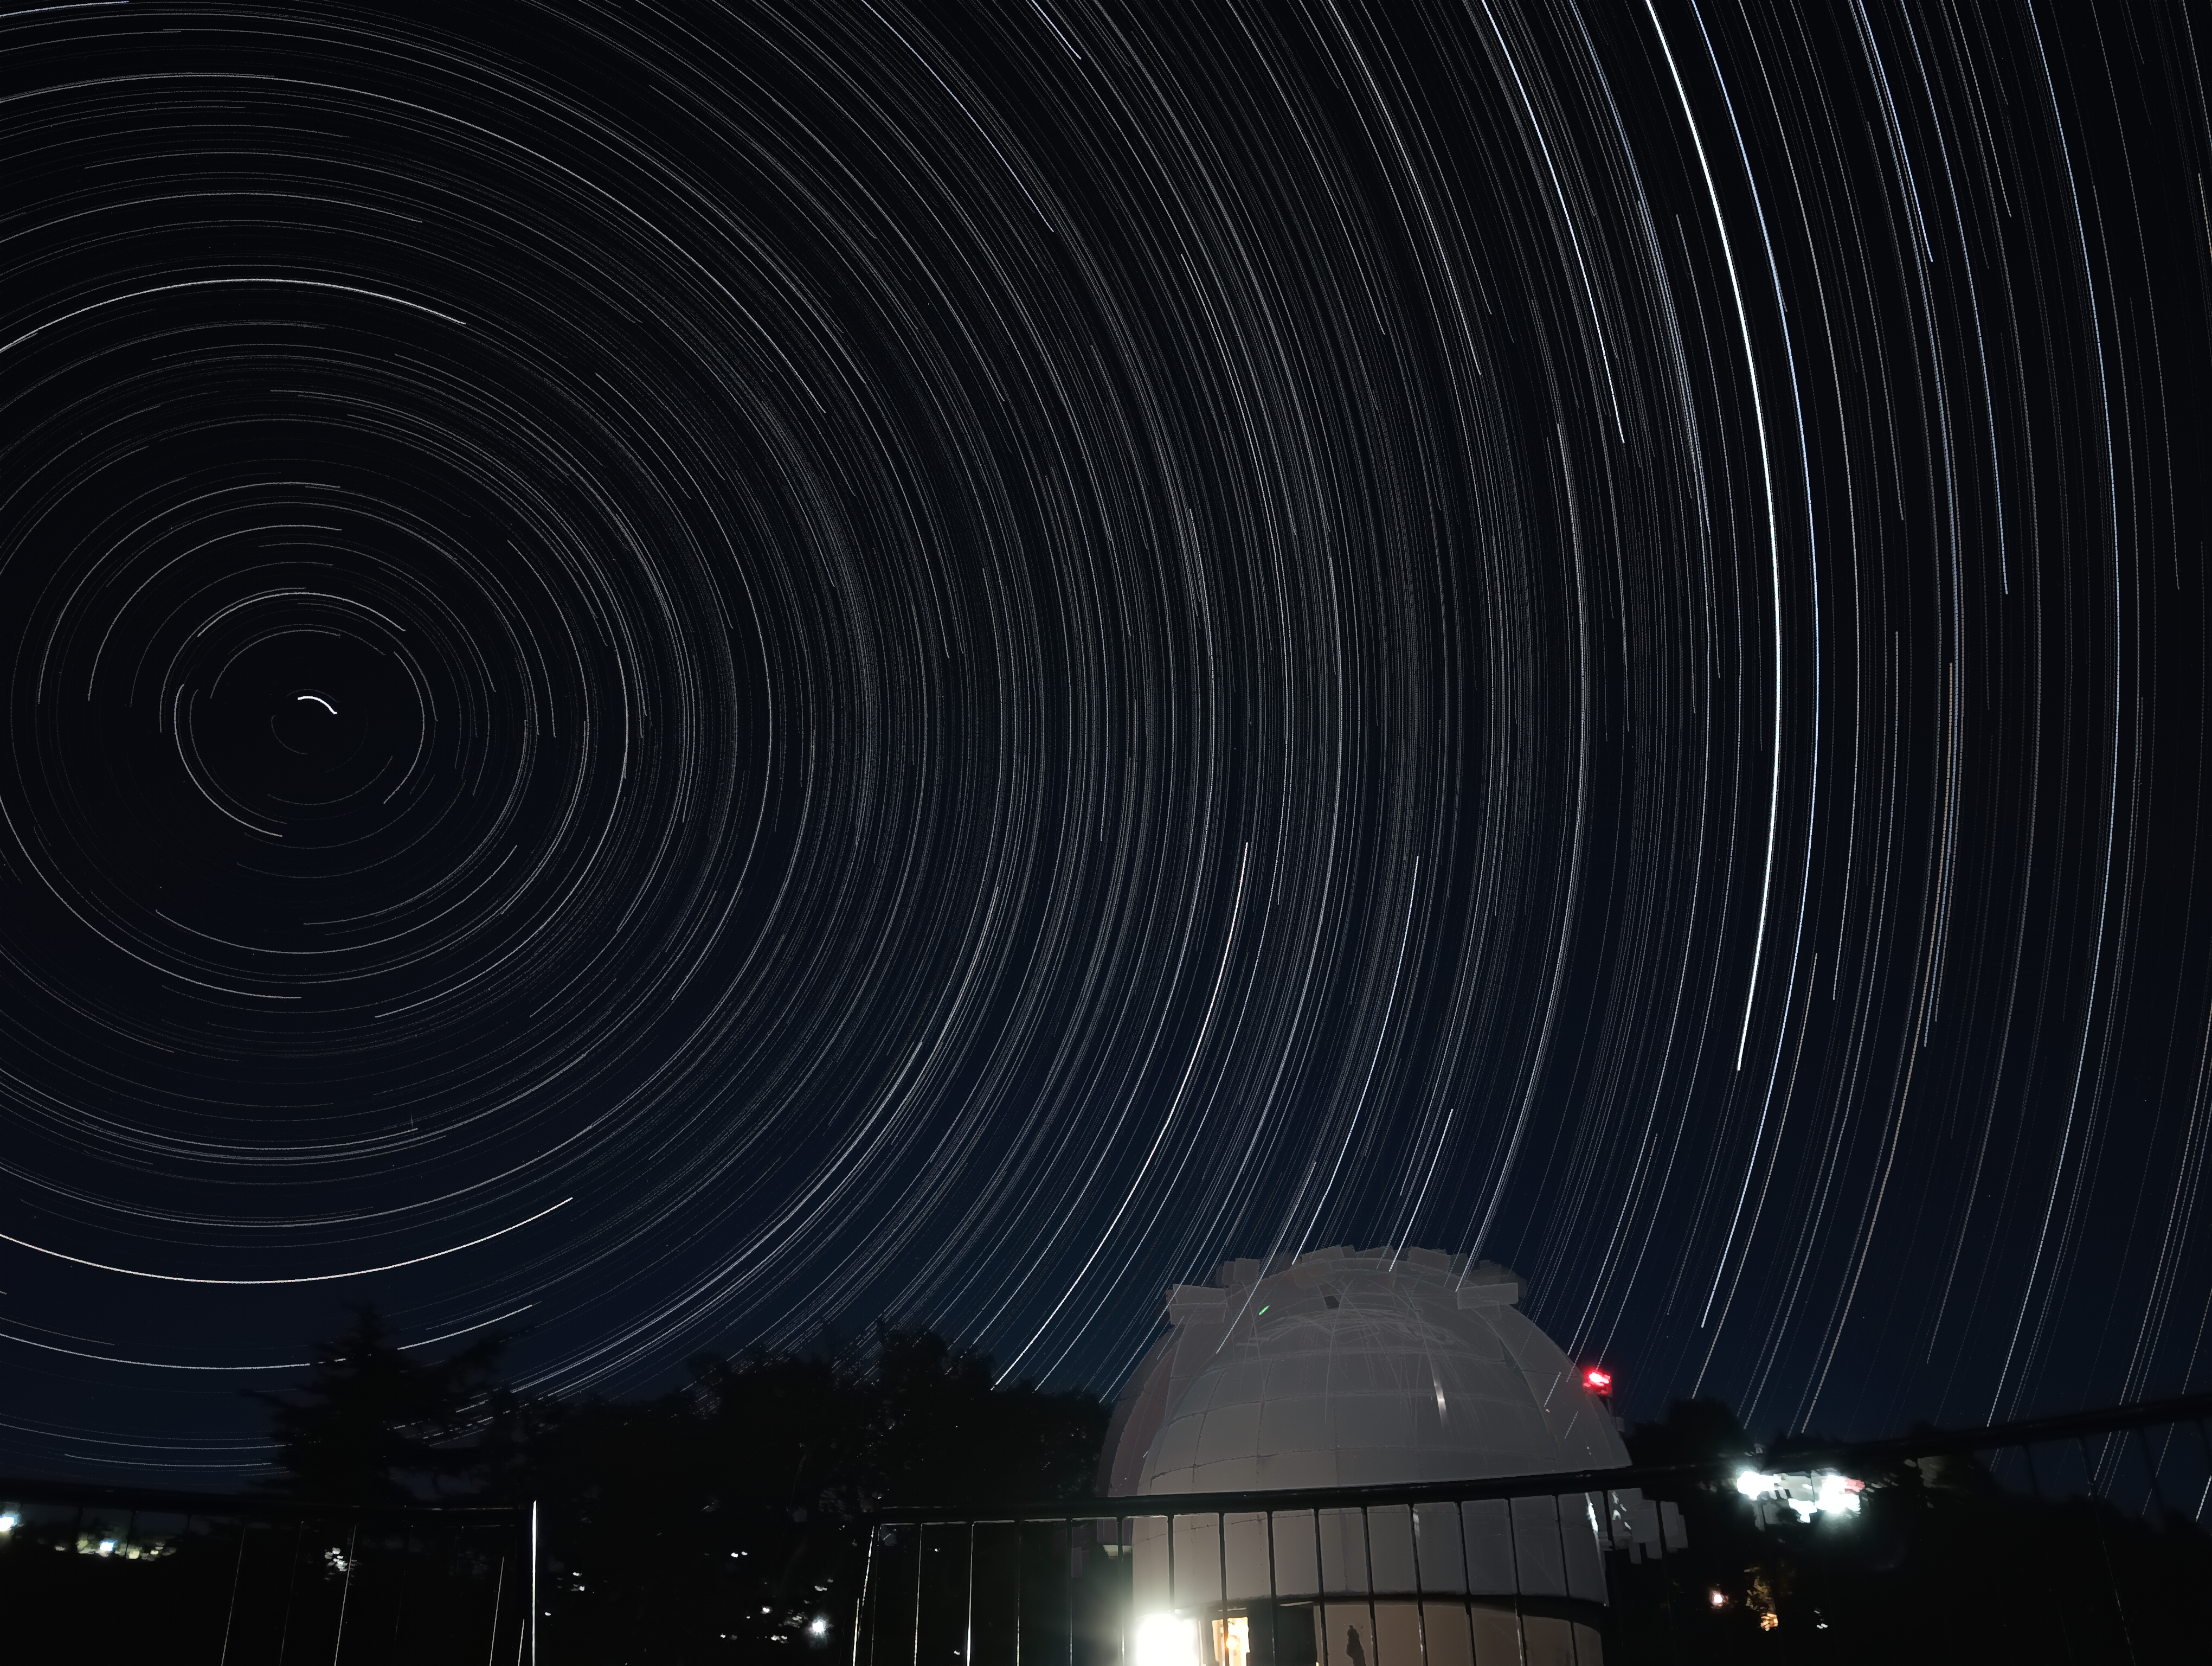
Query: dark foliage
{"points": [[703, 1524], [715, 1521], [718, 1522], [1945, 1562], [377, 1424]]}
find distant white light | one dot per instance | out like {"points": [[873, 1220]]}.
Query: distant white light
{"points": [[1166, 1639], [1841, 1493], [820, 1627], [9, 1521], [107, 1547], [1807, 1495]]}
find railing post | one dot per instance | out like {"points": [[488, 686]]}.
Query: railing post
{"points": [[2204, 1441], [498, 1591], [291, 1583], [1221, 1545], [230, 1618], [1321, 1590], [860, 1608], [2157, 1491], [346, 1591], [2112, 1579], [1367, 1557], [1420, 1607], [1274, 1601], [920, 1533], [1171, 1590]]}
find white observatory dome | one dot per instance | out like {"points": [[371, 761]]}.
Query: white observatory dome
{"points": [[1366, 1368], [1351, 1369]]}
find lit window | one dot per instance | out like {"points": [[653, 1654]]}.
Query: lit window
{"points": [[1232, 1641]]}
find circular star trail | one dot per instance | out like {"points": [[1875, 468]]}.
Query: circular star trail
{"points": [[678, 676]]}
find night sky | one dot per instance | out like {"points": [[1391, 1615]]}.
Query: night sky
{"points": [[678, 674]]}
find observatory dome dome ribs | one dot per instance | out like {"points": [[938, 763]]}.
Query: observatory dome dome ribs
{"points": [[1346, 1368]]}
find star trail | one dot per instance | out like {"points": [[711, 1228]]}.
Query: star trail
{"points": [[679, 674]]}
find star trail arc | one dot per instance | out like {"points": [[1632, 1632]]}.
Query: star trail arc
{"points": [[716, 673]]}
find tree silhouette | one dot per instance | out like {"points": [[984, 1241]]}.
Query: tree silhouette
{"points": [[375, 1423]]}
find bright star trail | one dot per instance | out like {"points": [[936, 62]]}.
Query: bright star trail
{"points": [[700, 672]]}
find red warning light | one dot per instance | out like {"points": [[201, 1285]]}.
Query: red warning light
{"points": [[1598, 1380]]}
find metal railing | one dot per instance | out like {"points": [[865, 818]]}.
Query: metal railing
{"points": [[242, 1579], [1547, 1569], [2068, 1537]]}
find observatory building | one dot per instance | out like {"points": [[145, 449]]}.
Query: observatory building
{"points": [[1343, 1368]]}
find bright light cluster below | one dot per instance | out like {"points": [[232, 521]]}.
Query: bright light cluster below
{"points": [[1809, 1495]]}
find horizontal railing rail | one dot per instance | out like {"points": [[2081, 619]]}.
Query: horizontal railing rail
{"points": [[259, 1579], [1440, 1573], [1518, 1569], [19, 1489], [2064, 1425]]}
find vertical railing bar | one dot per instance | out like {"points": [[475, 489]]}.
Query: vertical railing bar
{"points": [[1274, 1601], [2111, 1579], [860, 1609], [291, 1585], [1172, 1607], [1017, 1590], [1367, 1553], [1513, 1556], [2203, 1440], [537, 1608], [230, 1619], [1420, 1609], [346, 1591], [1221, 1546], [920, 1533], [498, 1590], [967, 1637], [1559, 1532], [1466, 1574], [1067, 1583], [1321, 1590], [1125, 1607], [522, 1632], [2164, 1512]]}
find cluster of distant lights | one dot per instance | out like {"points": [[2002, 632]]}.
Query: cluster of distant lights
{"points": [[1167, 1639], [1162, 1638], [12, 1519], [1832, 1494]]}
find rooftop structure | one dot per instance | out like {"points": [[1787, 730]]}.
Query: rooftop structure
{"points": [[1351, 1368], [1356, 1368]]}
